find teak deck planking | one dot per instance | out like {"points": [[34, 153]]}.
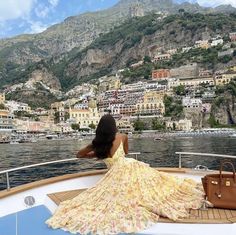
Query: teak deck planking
{"points": [[209, 216]]}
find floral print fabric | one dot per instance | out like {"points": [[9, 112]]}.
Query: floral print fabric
{"points": [[129, 198]]}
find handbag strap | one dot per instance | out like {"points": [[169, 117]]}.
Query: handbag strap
{"points": [[223, 163]]}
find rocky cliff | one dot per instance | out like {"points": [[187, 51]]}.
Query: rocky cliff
{"points": [[86, 47], [78, 32]]}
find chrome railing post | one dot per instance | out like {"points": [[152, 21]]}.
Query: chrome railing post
{"points": [[180, 161], [8, 181]]}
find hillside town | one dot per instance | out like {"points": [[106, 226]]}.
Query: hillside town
{"points": [[177, 99]]}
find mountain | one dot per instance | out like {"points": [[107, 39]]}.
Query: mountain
{"points": [[80, 31], [90, 45], [127, 43]]}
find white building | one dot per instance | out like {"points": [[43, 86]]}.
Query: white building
{"points": [[173, 82], [181, 125], [217, 41], [134, 86], [83, 105], [186, 49], [155, 86], [189, 102], [18, 106]]}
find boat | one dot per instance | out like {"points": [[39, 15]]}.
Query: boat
{"points": [[14, 142], [5, 141], [52, 137], [24, 209], [233, 136]]}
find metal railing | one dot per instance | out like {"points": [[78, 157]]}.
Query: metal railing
{"points": [[6, 172], [185, 154]]}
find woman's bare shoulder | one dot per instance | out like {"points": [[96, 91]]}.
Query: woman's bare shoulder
{"points": [[121, 136]]}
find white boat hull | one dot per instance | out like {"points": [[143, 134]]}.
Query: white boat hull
{"points": [[15, 203]]}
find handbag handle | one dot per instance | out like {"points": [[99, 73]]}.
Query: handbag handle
{"points": [[223, 163]]}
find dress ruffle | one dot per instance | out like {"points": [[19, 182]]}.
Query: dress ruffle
{"points": [[129, 198]]}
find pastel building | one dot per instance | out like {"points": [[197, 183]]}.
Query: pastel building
{"points": [[161, 57], [232, 37], [6, 121], [160, 74], [225, 78], [181, 125], [152, 103], [197, 81], [35, 126], [109, 83], [202, 44], [85, 117], [58, 107], [2, 98]]}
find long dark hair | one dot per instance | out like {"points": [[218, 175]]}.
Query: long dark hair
{"points": [[105, 135]]}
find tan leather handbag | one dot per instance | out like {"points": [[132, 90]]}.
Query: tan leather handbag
{"points": [[220, 188]]}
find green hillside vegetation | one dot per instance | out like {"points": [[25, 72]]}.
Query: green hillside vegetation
{"points": [[34, 98], [133, 30]]}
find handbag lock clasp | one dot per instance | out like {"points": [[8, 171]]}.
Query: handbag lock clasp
{"points": [[214, 182], [227, 183]]}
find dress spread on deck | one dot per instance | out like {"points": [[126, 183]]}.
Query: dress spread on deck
{"points": [[129, 198]]}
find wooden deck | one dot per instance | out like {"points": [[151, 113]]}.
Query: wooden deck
{"points": [[209, 216]]}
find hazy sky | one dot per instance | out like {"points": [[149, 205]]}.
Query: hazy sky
{"points": [[34, 16]]}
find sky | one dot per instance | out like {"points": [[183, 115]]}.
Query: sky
{"points": [[34, 16]]}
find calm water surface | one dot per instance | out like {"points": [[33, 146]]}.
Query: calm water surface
{"points": [[156, 153]]}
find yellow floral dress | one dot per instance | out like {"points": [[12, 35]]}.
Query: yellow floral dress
{"points": [[129, 198]]}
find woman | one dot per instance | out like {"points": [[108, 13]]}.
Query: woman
{"points": [[130, 197]]}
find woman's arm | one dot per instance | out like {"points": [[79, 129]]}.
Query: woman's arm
{"points": [[86, 152], [126, 144]]}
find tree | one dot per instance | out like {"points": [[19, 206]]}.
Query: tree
{"points": [[157, 125], [181, 11], [173, 108], [180, 90], [174, 126], [147, 59], [20, 114], [56, 117], [225, 59], [75, 126], [234, 53], [2, 106], [92, 126], [138, 125], [212, 121], [67, 116]]}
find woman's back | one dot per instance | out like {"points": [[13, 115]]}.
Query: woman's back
{"points": [[118, 150], [119, 138]]}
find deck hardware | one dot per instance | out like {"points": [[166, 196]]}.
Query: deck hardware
{"points": [[204, 206], [188, 154], [201, 167], [29, 201], [214, 182]]}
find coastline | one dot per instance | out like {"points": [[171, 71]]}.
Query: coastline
{"points": [[157, 135]]}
